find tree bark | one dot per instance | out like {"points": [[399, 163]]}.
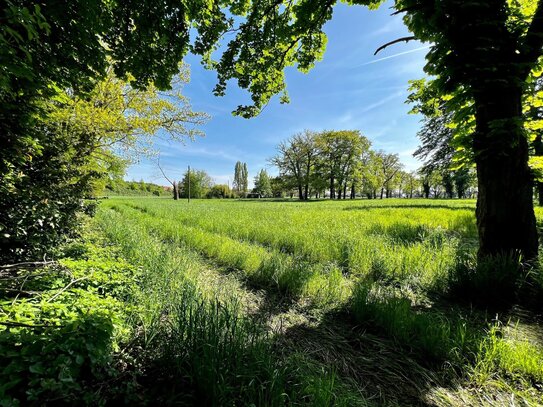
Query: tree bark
{"points": [[505, 214], [426, 190], [332, 190]]}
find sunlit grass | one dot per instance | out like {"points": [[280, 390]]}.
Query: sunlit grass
{"points": [[206, 350], [384, 262]]}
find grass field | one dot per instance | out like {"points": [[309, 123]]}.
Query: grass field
{"points": [[321, 303]]}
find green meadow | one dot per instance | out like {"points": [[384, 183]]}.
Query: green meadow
{"points": [[272, 303], [320, 303]]}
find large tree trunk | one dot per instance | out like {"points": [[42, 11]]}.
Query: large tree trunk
{"points": [[300, 192], [332, 189], [426, 190], [505, 214], [382, 192]]}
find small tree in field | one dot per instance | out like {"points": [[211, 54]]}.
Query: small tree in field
{"points": [[200, 184], [263, 184]]}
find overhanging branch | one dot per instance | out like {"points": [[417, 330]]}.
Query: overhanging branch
{"points": [[407, 9], [406, 39], [162, 171]]}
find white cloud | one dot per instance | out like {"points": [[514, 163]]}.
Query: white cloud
{"points": [[174, 150]]}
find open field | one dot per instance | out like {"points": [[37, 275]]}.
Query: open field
{"points": [[271, 303], [349, 303]]}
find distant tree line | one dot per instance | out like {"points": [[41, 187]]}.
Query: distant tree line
{"points": [[119, 186], [341, 165]]}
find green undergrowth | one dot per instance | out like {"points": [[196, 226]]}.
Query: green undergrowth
{"points": [[165, 303], [62, 327], [115, 324]]}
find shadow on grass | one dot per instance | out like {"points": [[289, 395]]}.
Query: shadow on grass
{"points": [[400, 355], [408, 233]]}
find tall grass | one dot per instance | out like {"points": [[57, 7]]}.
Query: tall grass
{"points": [[387, 263], [419, 247], [434, 336], [200, 347], [287, 274]]}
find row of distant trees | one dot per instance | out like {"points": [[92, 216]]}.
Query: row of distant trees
{"points": [[336, 165], [118, 186], [342, 164], [198, 184]]}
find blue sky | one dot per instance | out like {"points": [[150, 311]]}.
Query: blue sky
{"points": [[349, 89]]}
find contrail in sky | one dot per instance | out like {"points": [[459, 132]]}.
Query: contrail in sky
{"points": [[395, 55]]}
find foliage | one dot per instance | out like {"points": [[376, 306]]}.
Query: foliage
{"points": [[339, 153], [219, 191], [58, 340], [279, 187], [118, 186], [296, 159], [241, 178], [311, 161], [39, 202], [83, 141], [262, 184], [124, 121], [198, 182]]}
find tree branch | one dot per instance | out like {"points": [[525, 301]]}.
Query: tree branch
{"points": [[65, 288], [407, 9], [21, 325], [162, 171], [27, 263], [406, 39]]}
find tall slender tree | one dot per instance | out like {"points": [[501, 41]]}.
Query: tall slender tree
{"points": [[245, 178], [238, 182]]}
